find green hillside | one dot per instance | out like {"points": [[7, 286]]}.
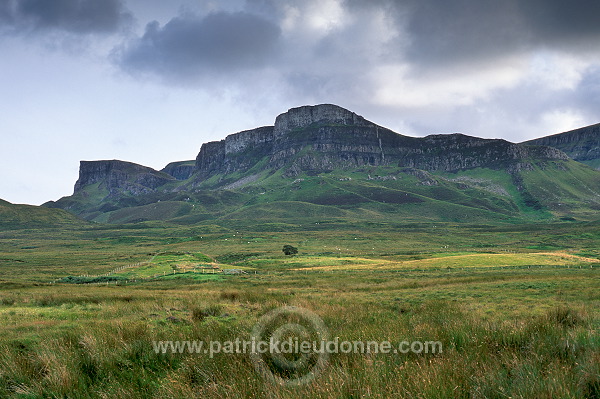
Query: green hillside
{"points": [[538, 191], [14, 216]]}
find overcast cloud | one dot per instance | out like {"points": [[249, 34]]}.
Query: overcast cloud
{"points": [[75, 16], [190, 47], [152, 80]]}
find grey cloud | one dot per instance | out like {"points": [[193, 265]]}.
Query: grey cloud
{"points": [[441, 35], [191, 47], [443, 32], [337, 65], [74, 16], [5, 11], [462, 30], [587, 95], [515, 113], [450, 31], [562, 22]]}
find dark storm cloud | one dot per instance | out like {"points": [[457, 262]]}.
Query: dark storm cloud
{"points": [[562, 22], [442, 31], [430, 35], [6, 12], [450, 31], [453, 35], [189, 46], [74, 16], [459, 60]]}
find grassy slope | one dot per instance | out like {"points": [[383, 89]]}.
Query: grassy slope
{"points": [[492, 197], [550, 190], [16, 216], [572, 191]]}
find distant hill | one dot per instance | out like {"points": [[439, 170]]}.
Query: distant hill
{"points": [[325, 162], [15, 216], [582, 145]]}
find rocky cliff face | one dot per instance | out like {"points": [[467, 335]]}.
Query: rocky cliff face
{"points": [[580, 144], [451, 152], [328, 114], [316, 139], [119, 176], [319, 137], [180, 170], [293, 130], [326, 137], [239, 151]]}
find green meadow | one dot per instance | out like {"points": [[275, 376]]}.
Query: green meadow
{"points": [[515, 306]]}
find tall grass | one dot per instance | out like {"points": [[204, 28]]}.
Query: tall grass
{"points": [[507, 330], [552, 355]]}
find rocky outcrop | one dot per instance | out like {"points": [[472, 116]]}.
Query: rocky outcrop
{"points": [[452, 152], [239, 151], [181, 170], [324, 114], [318, 137], [248, 139], [580, 144], [324, 127], [120, 177]]}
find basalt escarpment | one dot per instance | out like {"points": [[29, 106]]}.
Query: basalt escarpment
{"points": [[316, 139], [301, 117], [239, 151], [327, 137], [119, 177], [341, 137], [453, 152], [580, 144]]}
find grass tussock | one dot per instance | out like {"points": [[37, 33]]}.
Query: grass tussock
{"points": [[565, 316], [201, 313]]}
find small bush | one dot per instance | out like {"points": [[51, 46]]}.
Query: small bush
{"points": [[203, 258], [289, 250]]}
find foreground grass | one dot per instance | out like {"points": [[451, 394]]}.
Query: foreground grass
{"points": [[96, 342], [516, 320]]}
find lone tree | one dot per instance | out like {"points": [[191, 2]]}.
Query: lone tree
{"points": [[289, 250]]}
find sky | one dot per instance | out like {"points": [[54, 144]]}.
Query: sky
{"points": [[149, 81]]}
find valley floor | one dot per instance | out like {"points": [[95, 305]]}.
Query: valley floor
{"points": [[514, 307]]}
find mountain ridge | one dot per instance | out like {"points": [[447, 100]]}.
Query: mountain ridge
{"points": [[582, 144], [345, 139], [313, 142]]}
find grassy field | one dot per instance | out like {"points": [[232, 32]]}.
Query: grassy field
{"points": [[516, 308]]}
